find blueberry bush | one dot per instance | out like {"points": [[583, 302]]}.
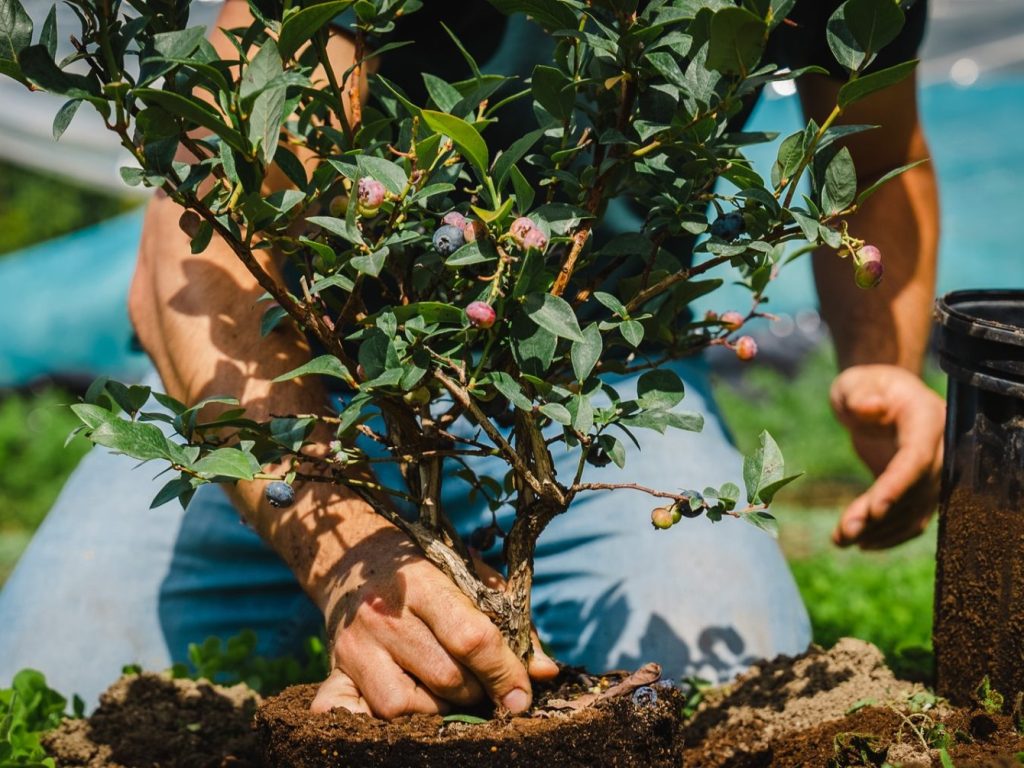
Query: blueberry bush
{"points": [[448, 280]]}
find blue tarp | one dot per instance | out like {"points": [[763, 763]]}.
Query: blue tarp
{"points": [[64, 307]]}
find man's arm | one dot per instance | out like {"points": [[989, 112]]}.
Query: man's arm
{"points": [[405, 639], [881, 334]]}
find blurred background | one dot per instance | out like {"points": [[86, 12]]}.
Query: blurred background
{"points": [[69, 229]]}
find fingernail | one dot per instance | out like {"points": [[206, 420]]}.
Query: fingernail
{"points": [[853, 528], [516, 701]]}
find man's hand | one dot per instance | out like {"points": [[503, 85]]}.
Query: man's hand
{"points": [[896, 424], [406, 640]]}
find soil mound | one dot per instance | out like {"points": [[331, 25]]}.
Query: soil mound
{"points": [[153, 721], [631, 730], [737, 725]]}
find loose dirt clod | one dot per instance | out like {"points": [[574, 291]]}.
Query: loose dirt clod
{"points": [[785, 696], [152, 721]]}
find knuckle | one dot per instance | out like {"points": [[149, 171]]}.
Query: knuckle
{"points": [[392, 703], [449, 679], [475, 638]]}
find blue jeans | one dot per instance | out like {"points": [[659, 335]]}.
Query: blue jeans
{"points": [[107, 581]]}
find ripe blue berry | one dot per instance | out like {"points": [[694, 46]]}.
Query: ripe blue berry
{"points": [[728, 226], [448, 239], [279, 495]]}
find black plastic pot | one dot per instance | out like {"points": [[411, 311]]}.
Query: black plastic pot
{"points": [[979, 597]]}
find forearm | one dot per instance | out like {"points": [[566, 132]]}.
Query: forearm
{"points": [[198, 316], [889, 324]]}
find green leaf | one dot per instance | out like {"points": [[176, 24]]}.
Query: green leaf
{"points": [[291, 433], [857, 89], [468, 254], [865, 194], [557, 412], [390, 174], [510, 388], [179, 44], [551, 15], [553, 91], [339, 227], [586, 352], [194, 111], [371, 263], [176, 488], [873, 23], [661, 389], [525, 193], [325, 365], [268, 111], [765, 521], [38, 66], [469, 141], [271, 318], [228, 462], [859, 29], [737, 41], [468, 719], [64, 117], [444, 95], [136, 439], [729, 494], [48, 34], [763, 467], [612, 303], [554, 314], [92, 415], [300, 27], [767, 493], [514, 154], [633, 332], [840, 185], [15, 29]]}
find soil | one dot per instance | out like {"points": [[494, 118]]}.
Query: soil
{"points": [[629, 730], [152, 721], [823, 709], [979, 621]]}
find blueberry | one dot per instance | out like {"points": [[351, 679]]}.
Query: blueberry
{"points": [[480, 313], [645, 696], [598, 456], [661, 518], [448, 239], [279, 495], [728, 226]]}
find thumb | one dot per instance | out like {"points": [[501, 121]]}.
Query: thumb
{"points": [[338, 691], [542, 666], [857, 406]]}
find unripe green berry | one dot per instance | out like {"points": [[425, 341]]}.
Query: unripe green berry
{"points": [[661, 518]]}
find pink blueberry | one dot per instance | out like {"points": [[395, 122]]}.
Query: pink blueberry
{"points": [[455, 219], [371, 195], [732, 320], [481, 314], [746, 348]]}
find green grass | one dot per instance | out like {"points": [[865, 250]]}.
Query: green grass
{"points": [[36, 207], [36, 463], [882, 597]]}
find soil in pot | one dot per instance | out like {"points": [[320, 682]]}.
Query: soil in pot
{"points": [[639, 727]]}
